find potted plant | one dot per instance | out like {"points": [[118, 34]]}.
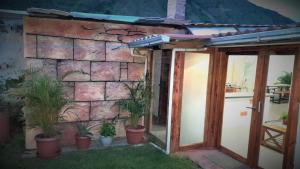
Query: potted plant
{"points": [[284, 118], [83, 136], [107, 132], [136, 105], [43, 100], [4, 118]]}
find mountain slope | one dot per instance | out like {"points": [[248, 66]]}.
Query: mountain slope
{"points": [[212, 11]]}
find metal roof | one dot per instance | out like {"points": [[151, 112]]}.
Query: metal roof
{"points": [[153, 40], [246, 38], [130, 19]]}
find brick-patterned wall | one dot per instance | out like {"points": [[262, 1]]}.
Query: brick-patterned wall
{"points": [[87, 56]]}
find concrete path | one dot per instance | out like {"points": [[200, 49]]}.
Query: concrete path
{"points": [[213, 159]]}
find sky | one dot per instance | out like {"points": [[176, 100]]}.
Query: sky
{"points": [[288, 8]]}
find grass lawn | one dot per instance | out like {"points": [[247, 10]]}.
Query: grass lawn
{"points": [[143, 157]]}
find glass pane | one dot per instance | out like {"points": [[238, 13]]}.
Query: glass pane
{"points": [[194, 98], [160, 86], [275, 110], [239, 88]]}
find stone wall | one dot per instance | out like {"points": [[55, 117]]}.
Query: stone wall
{"points": [[93, 61]]}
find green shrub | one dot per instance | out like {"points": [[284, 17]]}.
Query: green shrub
{"points": [[108, 130], [83, 129], [43, 99], [136, 105]]}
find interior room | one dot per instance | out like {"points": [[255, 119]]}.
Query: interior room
{"points": [[238, 107]]}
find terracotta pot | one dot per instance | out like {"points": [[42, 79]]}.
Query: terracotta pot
{"points": [[135, 135], [4, 127], [285, 122], [47, 148], [83, 142]]}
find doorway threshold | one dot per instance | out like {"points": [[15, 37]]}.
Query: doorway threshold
{"points": [[212, 159]]}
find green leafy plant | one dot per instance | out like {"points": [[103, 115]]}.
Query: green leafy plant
{"points": [[284, 116], [83, 129], [136, 105], [43, 99], [286, 78], [108, 129]]}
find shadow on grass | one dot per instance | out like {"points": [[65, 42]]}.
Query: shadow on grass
{"points": [[129, 157]]}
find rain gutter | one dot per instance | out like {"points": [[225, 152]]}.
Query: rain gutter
{"points": [[258, 37]]}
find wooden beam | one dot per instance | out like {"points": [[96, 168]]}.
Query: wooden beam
{"points": [[291, 134], [215, 98], [258, 100], [176, 101]]}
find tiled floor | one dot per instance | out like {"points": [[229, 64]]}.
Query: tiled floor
{"points": [[213, 159]]}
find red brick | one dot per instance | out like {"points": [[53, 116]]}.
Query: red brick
{"points": [[46, 66], [105, 71], [89, 50], [104, 110], [115, 53], [77, 111], [135, 71], [69, 70], [30, 46], [89, 91], [116, 90], [55, 47]]}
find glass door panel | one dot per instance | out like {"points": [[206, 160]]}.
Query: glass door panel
{"points": [[159, 102], [239, 92], [275, 111], [194, 93]]}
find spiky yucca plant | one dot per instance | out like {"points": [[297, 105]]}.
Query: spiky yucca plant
{"points": [[44, 98], [139, 95]]}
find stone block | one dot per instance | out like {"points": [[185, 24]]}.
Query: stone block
{"points": [[77, 111], [104, 110], [105, 71], [123, 65], [68, 89], [120, 128], [135, 71], [45, 66], [106, 37], [89, 91], [30, 133], [54, 47], [117, 31], [89, 50], [116, 90], [123, 76], [69, 70], [127, 39], [114, 52], [30, 46], [139, 59]]}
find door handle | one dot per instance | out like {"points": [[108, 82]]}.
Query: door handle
{"points": [[256, 108], [252, 108]]}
